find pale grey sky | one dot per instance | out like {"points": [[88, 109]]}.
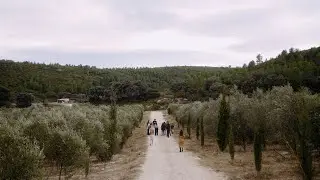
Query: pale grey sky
{"points": [[118, 33]]}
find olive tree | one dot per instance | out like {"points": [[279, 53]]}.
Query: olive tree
{"points": [[20, 157], [68, 151]]}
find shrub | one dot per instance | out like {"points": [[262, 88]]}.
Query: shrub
{"points": [[81, 130], [20, 158], [103, 152], [4, 96], [173, 108], [67, 150], [51, 95], [24, 100], [96, 95], [38, 131]]}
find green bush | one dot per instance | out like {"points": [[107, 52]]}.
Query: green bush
{"points": [[4, 96], [24, 100], [172, 109], [67, 150], [20, 158], [68, 136], [38, 131]]}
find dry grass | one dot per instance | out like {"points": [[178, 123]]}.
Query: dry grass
{"points": [[124, 166], [277, 163], [274, 166]]}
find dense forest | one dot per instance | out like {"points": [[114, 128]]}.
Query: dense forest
{"points": [[298, 68]]}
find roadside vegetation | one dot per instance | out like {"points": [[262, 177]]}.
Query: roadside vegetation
{"points": [[279, 117], [37, 140]]}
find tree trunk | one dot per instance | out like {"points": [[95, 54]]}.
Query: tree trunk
{"points": [[60, 171], [257, 150], [244, 144]]}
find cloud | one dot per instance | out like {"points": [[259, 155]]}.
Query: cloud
{"points": [[149, 32]]}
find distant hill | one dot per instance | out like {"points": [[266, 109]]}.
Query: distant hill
{"points": [[299, 68], [50, 80]]}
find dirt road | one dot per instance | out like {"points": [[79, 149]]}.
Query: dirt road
{"points": [[165, 162]]}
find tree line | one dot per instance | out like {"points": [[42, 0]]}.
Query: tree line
{"points": [[54, 80]]}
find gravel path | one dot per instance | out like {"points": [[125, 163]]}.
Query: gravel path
{"points": [[165, 162]]}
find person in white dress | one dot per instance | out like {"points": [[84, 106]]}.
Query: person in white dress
{"points": [[151, 135]]}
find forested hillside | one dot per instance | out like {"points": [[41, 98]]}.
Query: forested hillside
{"points": [[54, 80], [299, 68]]}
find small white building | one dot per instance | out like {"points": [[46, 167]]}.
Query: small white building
{"points": [[63, 100]]}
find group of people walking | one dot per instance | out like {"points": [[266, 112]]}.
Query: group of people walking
{"points": [[166, 129]]}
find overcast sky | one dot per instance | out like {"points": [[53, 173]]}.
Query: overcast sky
{"points": [[118, 33]]}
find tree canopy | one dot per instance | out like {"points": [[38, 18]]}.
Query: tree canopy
{"points": [[298, 68]]}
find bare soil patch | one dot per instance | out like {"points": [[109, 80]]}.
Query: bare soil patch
{"points": [[124, 166], [277, 163]]}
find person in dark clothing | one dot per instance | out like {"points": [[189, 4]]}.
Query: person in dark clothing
{"points": [[168, 129], [154, 122], [148, 129], [156, 129], [163, 128]]}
